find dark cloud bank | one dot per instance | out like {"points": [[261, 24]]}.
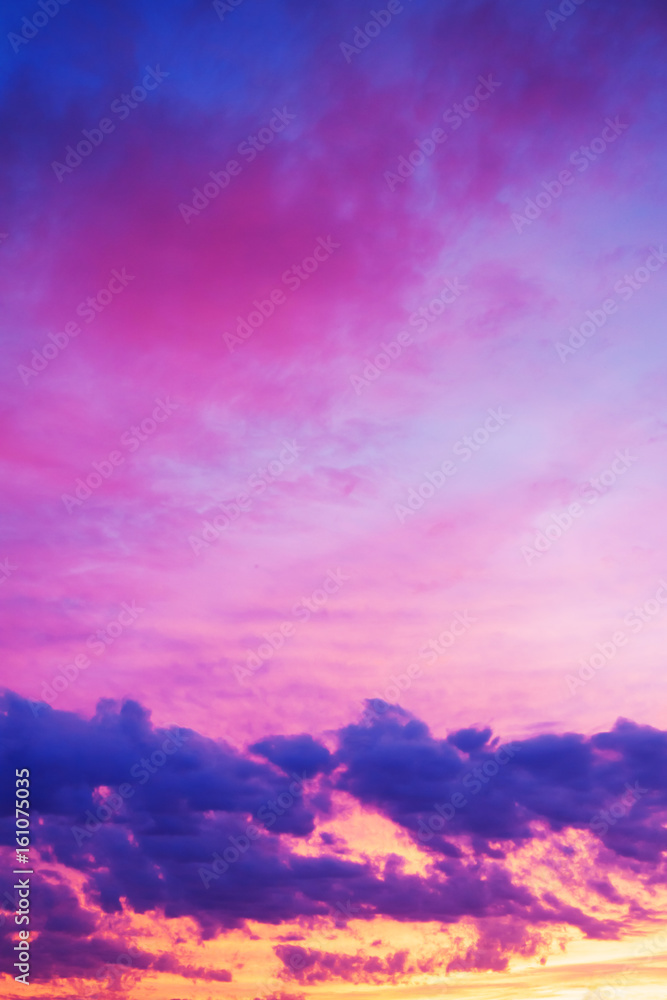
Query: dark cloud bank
{"points": [[173, 822]]}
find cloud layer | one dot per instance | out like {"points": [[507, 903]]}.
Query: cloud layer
{"points": [[333, 376], [210, 832]]}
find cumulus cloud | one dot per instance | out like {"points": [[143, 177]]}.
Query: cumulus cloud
{"points": [[495, 793], [295, 753], [149, 854], [309, 965]]}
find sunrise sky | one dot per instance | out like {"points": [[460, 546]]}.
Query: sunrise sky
{"points": [[334, 474]]}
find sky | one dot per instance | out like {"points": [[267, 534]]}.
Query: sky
{"points": [[333, 562]]}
